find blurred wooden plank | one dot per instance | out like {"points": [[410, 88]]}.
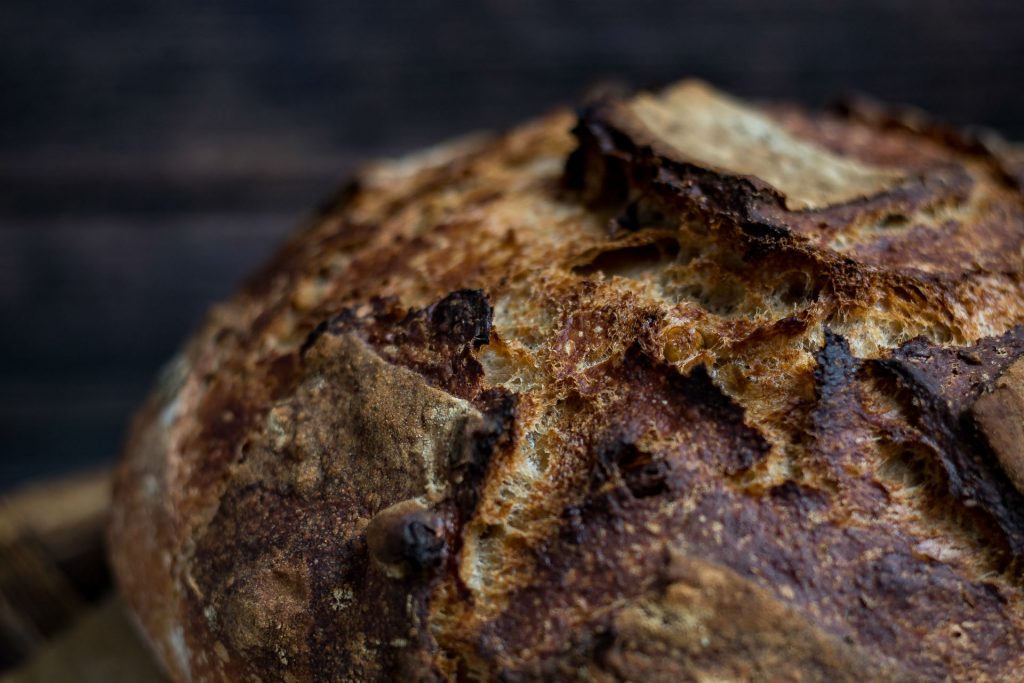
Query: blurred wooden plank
{"points": [[46, 530], [64, 516], [36, 598], [51, 559], [102, 647]]}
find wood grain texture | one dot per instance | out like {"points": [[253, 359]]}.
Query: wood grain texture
{"points": [[102, 647], [153, 152], [52, 561]]}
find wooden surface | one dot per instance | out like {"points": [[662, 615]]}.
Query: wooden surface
{"points": [[52, 562], [152, 152], [100, 647], [59, 619]]}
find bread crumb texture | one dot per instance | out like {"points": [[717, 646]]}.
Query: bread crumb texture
{"points": [[680, 389]]}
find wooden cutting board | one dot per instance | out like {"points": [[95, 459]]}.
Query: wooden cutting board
{"points": [[100, 647], [59, 618]]}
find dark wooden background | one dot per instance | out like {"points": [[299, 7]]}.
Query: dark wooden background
{"points": [[152, 152]]}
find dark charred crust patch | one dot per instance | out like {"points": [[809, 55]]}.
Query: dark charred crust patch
{"points": [[464, 316], [423, 544], [593, 168], [840, 429], [657, 397], [836, 367], [934, 386], [621, 460], [647, 478], [313, 336], [957, 375], [937, 386], [484, 436], [801, 497], [481, 439], [613, 158], [437, 341]]}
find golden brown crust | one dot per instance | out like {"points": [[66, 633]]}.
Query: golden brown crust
{"points": [[619, 406]]}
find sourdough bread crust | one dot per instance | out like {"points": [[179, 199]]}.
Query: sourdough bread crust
{"points": [[610, 405]]}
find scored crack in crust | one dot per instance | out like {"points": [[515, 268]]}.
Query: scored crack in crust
{"points": [[701, 391]]}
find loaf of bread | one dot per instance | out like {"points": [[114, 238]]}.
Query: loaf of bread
{"points": [[681, 389]]}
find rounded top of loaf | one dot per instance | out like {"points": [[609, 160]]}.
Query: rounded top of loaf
{"points": [[682, 388]]}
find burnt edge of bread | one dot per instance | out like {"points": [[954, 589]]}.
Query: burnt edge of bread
{"points": [[483, 419]]}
